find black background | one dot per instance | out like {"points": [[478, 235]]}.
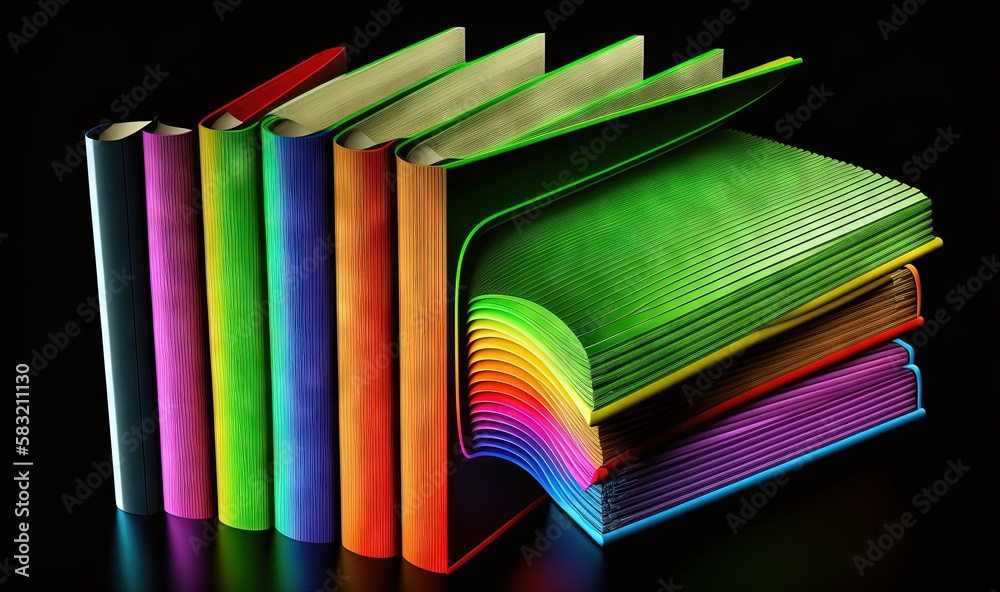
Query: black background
{"points": [[890, 97]]}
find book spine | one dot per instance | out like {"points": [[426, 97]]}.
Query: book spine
{"points": [[177, 282], [297, 194], [232, 198], [368, 350], [118, 210], [423, 364]]}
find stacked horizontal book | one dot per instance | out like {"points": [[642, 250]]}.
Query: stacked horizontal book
{"points": [[578, 322]]}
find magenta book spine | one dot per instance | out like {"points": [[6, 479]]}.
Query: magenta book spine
{"points": [[177, 282]]}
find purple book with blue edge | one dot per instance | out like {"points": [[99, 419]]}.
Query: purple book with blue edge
{"points": [[871, 393]]}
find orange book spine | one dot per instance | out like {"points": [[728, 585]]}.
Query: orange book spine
{"points": [[365, 230], [423, 365]]}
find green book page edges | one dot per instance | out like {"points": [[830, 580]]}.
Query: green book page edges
{"points": [[698, 71], [701, 74], [538, 102], [651, 271]]}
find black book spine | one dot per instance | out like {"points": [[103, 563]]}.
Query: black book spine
{"points": [[118, 209]]}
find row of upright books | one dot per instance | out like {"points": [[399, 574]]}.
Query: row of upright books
{"points": [[423, 295]]}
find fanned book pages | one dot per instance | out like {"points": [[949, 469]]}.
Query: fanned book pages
{"points": [[233, 202], [366, 273], [507, 375], [115, 172], [507, 161], [298, 166]]}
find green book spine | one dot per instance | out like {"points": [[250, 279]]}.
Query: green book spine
{"points": [[235, 273]]}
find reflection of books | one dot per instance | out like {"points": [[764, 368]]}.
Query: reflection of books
{"points": [[460, 180]]}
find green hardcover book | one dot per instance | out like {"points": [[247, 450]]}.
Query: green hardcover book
{"points": [[616, 292]]}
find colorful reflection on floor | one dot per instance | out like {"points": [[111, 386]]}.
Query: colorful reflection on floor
{"points": [[802, 537]]}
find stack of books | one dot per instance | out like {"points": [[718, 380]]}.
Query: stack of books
{"points": [[469, 286], [577, 324]]}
